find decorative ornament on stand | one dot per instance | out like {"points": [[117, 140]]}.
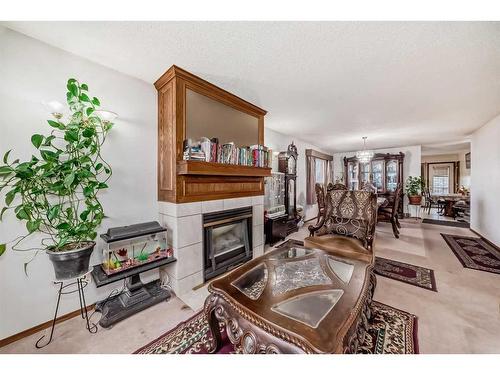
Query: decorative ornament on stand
{"points": [[55, 108], [364, 156], [106, 117]]}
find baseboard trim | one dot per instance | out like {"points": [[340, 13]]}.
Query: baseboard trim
{"points": [[484, 238], [40, 327]]}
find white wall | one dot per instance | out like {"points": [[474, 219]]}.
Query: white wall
{"points": [[485, 181], [31, 71], [411, 166], [279, 142]]}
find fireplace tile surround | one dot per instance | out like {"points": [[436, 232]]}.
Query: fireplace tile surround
{"points": [[185, 235]]}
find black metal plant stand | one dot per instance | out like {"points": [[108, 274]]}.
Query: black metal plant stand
{"points": [[80, 283]]}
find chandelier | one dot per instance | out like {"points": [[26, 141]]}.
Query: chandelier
{"points": [[364, 156]]}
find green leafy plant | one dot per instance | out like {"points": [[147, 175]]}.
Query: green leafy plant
{"points": [[414, 185], [142, 257], [55, 191]]}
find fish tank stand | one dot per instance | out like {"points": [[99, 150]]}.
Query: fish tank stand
{"points": [[135, 295]]}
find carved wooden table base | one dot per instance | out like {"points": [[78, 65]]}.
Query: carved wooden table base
{"points": [[250, 334]]}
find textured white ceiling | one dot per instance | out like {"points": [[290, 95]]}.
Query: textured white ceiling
{"points": [[446, 148], [330, 83]]}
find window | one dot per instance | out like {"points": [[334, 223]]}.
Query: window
{"points": [[319, 171], [441, 180], [440, 185]]}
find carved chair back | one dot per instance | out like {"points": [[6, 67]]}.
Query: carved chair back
{"points": [[397, 200], [350, 214], [336, 186], [428, 197], [368, 186]]}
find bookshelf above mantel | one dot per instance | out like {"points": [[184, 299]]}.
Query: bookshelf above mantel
{"points": [[193, 167], [189, 108]]}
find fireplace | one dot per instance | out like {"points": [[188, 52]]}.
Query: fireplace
{"points": [[227, 240]]}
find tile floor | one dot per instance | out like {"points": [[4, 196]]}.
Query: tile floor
{"points": [[433, 214], [462, 317]]}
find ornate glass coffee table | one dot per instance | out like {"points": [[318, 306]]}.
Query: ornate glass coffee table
{"points": [[293, 300]]}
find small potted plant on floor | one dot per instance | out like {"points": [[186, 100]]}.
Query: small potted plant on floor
{"points": [[55, 191], [414, 186]]}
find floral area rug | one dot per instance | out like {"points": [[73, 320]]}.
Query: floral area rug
{"points": [[407, 273], [474, 252], [391, 331]]}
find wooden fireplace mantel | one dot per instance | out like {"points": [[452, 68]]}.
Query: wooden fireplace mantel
{"points": [[192, 167], [181, 181]]}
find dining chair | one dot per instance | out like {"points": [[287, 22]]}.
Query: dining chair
{"points": [[390, 214], [431, 202]]}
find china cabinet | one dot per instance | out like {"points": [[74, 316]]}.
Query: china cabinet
{"points": [[384, 171]]}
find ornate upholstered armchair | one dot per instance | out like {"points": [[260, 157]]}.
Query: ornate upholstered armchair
{"points": [[347, 227]]}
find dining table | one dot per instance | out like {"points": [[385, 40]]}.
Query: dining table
{"points": [[449, 201]]}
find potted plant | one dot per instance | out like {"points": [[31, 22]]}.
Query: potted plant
{"points": [[55, 191], [414, 186]]}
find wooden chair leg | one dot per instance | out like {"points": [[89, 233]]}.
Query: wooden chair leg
{"points": [[394, 228]]}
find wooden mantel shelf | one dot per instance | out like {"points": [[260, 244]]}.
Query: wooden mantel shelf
{"points": [[194, 167]]}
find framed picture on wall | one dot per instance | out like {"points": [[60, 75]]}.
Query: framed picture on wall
{"points": [[467, 160]]}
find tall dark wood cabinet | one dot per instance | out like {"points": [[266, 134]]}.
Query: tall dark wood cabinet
{"points": [[287, 164], [384, 171], [280, 224]]}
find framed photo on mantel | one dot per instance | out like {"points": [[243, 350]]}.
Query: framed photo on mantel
{"points": [[467, 160]]}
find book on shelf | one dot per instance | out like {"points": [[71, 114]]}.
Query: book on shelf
{"points": [[206, 147], [211, 150], [193, 151]]}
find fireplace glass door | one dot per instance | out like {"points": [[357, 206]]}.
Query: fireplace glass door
{"points": [[227, 241], [228, 238]]}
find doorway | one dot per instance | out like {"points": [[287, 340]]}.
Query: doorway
{"points": [[445, 170]]}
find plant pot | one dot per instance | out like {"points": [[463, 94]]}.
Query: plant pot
{"points": [[415, 199], [72, 263]]}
